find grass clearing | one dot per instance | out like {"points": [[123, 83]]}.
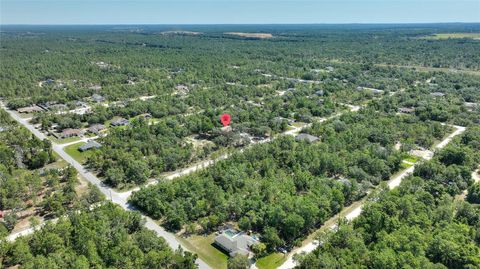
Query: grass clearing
{"points": [[404, 165], [445, 36], [271, 261], [250, 35], [203, 246], [73, 151], [412, 159]]}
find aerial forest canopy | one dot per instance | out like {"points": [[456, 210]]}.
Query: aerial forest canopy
{"points": [[324, 119], [285, 187], [418, 225]]}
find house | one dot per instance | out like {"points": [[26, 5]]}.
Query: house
{"points": [[437, 94], [319, 93], [471, 106], [68, 133], [53, 106], [80, 104], [96, 128], [30, 109], [407, 110], [95, 87], [98, 98], [306, 137], [49, 81], [181, 88], [120, 122], [90, 145], [235, 243]]}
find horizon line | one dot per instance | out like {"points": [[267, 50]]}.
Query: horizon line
{"points": [[206, 24]]}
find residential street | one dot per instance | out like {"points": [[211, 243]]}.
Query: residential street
{"points": [[109, 193], [121, 198], [355, 212]]}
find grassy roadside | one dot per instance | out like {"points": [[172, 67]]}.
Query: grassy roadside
{"points": [[73, 151], [202, 245]]}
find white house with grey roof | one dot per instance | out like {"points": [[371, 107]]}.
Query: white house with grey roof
{"points": [[235, 243]]}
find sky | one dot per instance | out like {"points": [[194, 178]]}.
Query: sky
{"points": [[236, 11]]}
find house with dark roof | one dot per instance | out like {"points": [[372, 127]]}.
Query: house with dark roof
{"points": [[68, 133], [30, 109], [96, 128], [120, 122], [90, 145], [306, 137], [235, 243]]}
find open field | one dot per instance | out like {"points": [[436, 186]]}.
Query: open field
{"points": [[444, 36], [180, 33], [251, 35], [271, 261], [73, 151]]}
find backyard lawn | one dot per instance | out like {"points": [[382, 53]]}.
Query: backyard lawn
{"points": [[271, 261]]}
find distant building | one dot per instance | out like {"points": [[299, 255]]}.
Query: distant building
{"points": [[70, 133], [437, 94], [181, 87], [235, 243], [471, 106], [306, 137], [319, 93], [53, 106], [96, 128], [30, 109], [95, 87], [80, 104], [90, 145], [407, 110], [98, 98], [120, 122]]}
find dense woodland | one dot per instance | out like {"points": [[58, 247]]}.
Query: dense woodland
{"points": [[418, 225], [284, 188], [407, 84], [106, 237], [30, 184]]}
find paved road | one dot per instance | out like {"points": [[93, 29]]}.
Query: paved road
{"points": [[121, 198], [113, 195], [355, 212]]}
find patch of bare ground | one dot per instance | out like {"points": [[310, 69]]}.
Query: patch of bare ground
{"points": [[180, 33], [251, 35]]}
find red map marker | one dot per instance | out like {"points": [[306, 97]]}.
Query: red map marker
{"points": [[225, 119]]}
